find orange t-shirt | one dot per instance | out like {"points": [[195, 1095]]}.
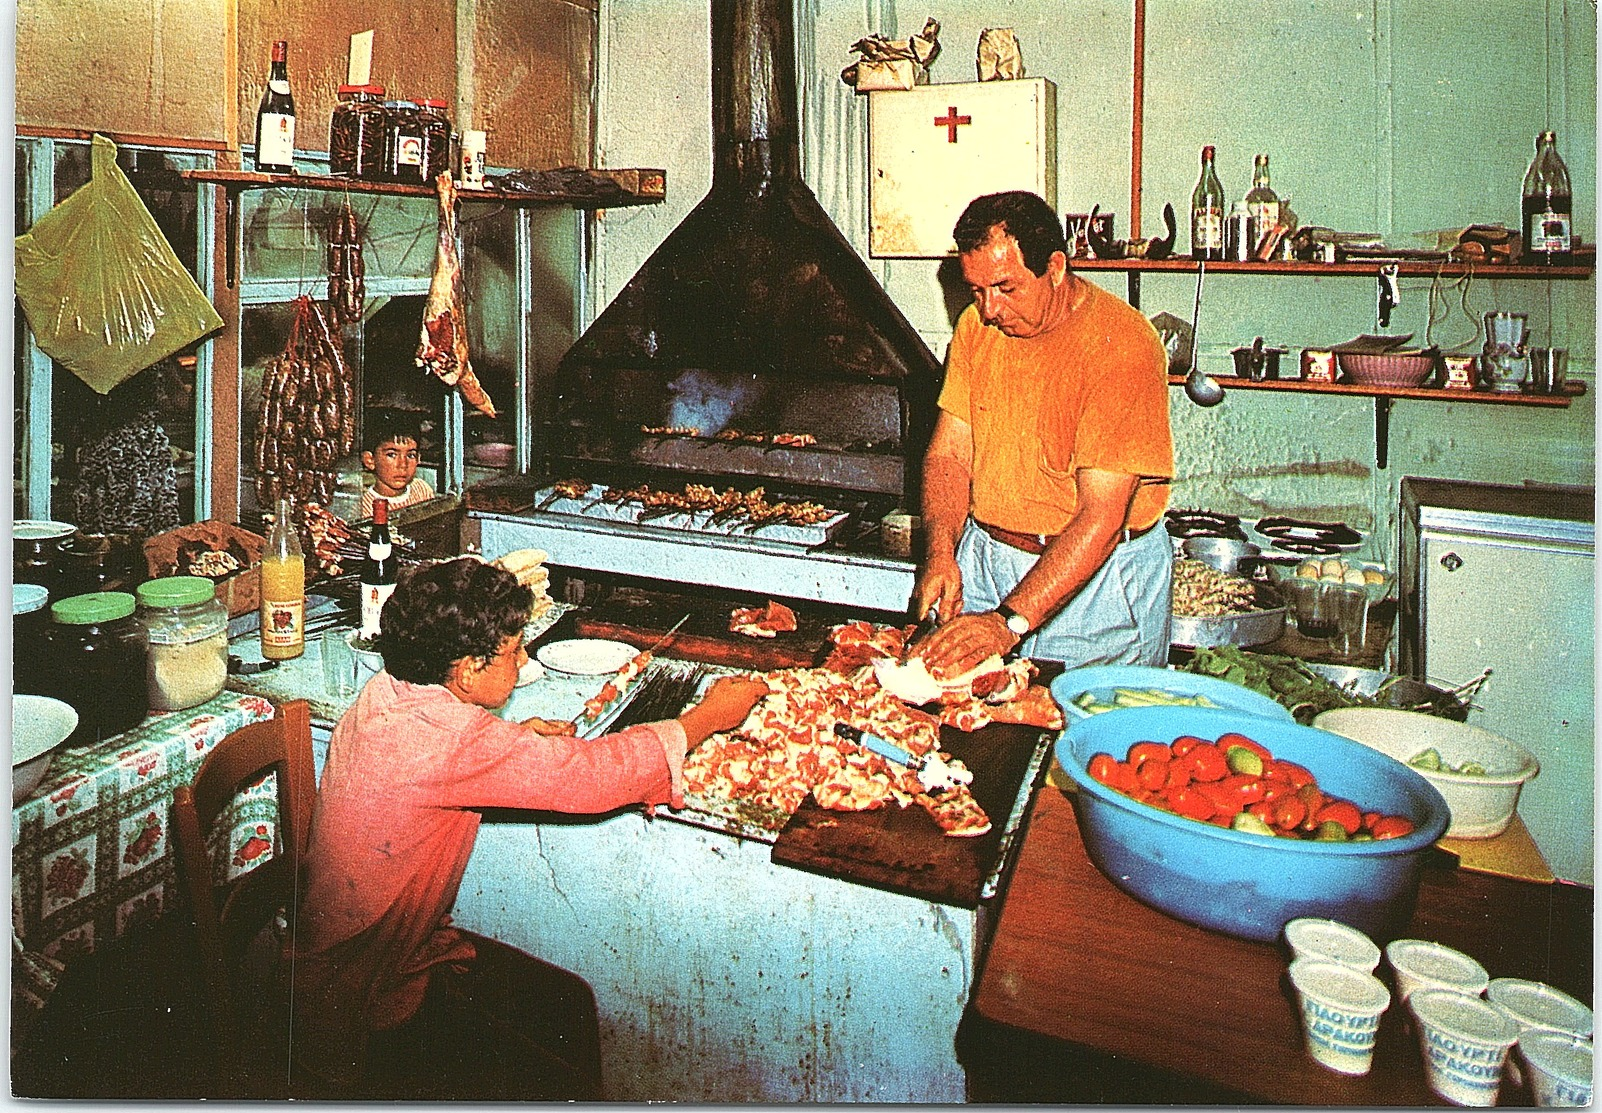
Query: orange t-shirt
{"points": [[1090, 393]]}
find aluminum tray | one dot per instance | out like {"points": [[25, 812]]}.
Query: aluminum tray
{"points": [[683, 522], [1250, 628]]}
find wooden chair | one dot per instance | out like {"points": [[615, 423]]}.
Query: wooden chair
{"points": [[228, 917]]}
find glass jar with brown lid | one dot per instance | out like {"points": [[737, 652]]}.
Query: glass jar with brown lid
{"points": [[403, 148], [436, 138], [356, 133]]}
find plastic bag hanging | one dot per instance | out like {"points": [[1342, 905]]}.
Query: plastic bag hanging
{"points": [[101, 287]]}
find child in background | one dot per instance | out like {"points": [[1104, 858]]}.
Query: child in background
{"points": [[385, 990], [391, 453]]}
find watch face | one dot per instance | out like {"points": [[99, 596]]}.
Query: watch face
{"points": [[1018, 624]]}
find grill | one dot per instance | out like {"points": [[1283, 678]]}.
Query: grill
{"points": [[755, 317]]}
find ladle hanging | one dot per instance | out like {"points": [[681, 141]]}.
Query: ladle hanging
{"points": [[1200, 389]]}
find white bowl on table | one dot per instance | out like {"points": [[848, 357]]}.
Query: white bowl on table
{"points": [[38, 725], [1482, 805]]}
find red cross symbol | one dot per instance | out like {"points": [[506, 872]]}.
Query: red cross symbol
{"points": [[951, 122]]}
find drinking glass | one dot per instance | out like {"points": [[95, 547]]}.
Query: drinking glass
{"points": [[339, 665]]}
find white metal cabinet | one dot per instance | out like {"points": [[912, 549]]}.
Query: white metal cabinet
{"points": [[1504, 578]]}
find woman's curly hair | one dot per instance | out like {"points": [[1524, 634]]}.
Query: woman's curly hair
{"points": [[443, 612]]}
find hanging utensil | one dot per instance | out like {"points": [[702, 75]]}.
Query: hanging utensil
{"points": [[1200, 388]]}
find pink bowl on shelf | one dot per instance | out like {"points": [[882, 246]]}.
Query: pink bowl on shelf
{"points": [[490, 454], [1399, 369]]}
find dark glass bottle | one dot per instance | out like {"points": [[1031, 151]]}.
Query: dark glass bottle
{"points": [[378, 570], [275, 118], [1207, 212], [1548, 206]]}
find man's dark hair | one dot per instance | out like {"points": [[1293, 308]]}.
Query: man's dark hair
{"points": [[380, 425], [1022, 215], [445, 611]]}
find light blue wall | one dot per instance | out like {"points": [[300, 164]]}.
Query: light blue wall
{"points": [[1391, 116]]}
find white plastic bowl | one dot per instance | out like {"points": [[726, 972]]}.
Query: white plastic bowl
{"points": [[1537, 1006], [38, 725], [1481, 806]]}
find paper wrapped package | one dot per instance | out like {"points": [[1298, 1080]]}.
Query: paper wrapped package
{"points": [[893, 63], [225, 554], [100, 285], [1000, 57]]}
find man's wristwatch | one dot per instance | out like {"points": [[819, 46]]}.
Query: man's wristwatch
{"points": [[1016, 622]]}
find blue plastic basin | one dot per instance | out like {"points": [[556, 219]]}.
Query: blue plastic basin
{"points": [[1246, 885], [1103, 678]]}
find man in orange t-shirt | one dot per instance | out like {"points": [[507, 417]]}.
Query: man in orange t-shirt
{"points": [[1048, 472]]}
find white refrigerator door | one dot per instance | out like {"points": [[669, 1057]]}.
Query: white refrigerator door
{"points": [[1526, 610]]}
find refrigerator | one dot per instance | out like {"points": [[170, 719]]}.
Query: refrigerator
{"points": [[1503, 577]]}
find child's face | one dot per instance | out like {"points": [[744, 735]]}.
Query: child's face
{"points": [[494, 684], [393, 464]]}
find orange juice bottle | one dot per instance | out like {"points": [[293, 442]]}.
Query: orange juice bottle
{"points": [[283, 591]]}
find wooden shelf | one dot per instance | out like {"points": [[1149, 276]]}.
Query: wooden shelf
{"points": [[1370, 268], [1420, 393], [640, 187]]}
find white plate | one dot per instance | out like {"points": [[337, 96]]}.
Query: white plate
{"points": [[530, 672], [585, 656]]}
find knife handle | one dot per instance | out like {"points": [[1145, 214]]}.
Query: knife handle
{"points": [[881, 746]]}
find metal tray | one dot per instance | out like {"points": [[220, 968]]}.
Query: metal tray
{"points": [[1249, 628]]}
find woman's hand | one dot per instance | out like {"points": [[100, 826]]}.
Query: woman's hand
{"points": [[724, 707], [555, 727]]}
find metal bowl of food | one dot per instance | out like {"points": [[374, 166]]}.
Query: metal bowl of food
{"points": [[1400, 692], [1216, 608], [1223, 553]]}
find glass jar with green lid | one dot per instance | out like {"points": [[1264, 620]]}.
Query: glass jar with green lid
{"points": [[187, 632], [96, 651]]}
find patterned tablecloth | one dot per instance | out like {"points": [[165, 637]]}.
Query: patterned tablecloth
{"points": [[90, 849]]}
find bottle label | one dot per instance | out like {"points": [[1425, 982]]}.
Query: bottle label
{"points": [[409, 150], [1208, 230], [283, 623], [281, 87], [379, 550], [1549, 232], [373, 598], [276, 145]]}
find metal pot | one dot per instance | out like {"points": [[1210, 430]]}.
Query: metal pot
{"points": [[1223, 553], [1401, 692]]}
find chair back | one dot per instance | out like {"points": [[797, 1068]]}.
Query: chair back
{"points": [[228, 916]]}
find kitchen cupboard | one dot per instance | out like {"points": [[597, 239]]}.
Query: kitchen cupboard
{"points": [[1503, 577]]}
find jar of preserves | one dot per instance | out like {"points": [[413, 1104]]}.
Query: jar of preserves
{"points": [[357, 133], [436, 138], [96, 652], [403, 146], [30, 615], [186, 633]]}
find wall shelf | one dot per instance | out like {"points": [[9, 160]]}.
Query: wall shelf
{"points": [[1384, 396], [638, 186], [1369, 268]]}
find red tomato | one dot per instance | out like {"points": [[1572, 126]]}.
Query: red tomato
{"points": [[1124, 777], [1184, 744], [1275, 787], [1343, 812], [1101, 769], [1151, 774], [1225, 741], [1368, 820], [1288, 813], [1290, 771], [1223, 800], [1391, 827], [1248, 788], [1207, 763], [1179, 773], [1190, 803], [1142, 752]]}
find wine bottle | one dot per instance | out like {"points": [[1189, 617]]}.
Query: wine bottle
{"points": [[1261, 203], [378, 570], [283, 590], [1207, 212], [275, 118], [1548, 205]]}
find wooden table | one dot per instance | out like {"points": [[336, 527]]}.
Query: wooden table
{"points": [[1086, 995]]}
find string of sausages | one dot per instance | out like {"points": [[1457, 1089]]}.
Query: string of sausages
{"points": [[347, 273], [307, 418]]}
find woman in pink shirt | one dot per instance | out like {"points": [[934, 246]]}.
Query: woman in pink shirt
{"points": [[409, 767]]}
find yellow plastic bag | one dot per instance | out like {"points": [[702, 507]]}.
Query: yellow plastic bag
{"points": [[100, 285]]}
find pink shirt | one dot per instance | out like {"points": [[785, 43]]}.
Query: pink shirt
{"points": [[396, 816]]}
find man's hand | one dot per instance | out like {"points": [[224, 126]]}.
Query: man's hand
{"points": [[964, 641], [554, 727], [939, 584], [724, 707]]}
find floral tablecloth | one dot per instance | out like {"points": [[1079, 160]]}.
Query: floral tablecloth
{"points": [[90, 849]]}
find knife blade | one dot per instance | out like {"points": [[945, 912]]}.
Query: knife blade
{"points": [[931, 768], [927, 625]]}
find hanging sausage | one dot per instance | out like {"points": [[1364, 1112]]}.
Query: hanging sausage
{"points": [[307, 417]]}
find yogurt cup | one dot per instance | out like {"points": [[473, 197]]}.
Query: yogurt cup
{"points": [[1536, 1006], [1340, 1010], [1464, 1043], [1313, 938], [1421, 964], [1559, 1067]]}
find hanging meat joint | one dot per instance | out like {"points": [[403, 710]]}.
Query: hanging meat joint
{"points": [[443, 349]]}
